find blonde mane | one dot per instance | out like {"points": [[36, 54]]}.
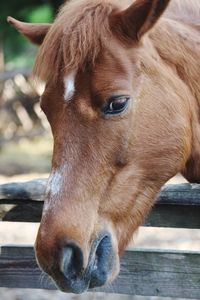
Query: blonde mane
{"points": [[75, 38], [185, 10]]}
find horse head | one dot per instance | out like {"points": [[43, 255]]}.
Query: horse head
{"points": [[120, 132]]}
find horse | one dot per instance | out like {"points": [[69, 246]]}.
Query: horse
{"points": [[123, 101]]}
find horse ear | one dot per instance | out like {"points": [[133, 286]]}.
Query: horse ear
{"points": [[133, 22], [34, 32]]}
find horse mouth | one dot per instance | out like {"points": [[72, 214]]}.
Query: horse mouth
{"points": [[100, 270]]}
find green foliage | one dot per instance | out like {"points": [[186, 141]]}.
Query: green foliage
{"points": [[42, 13], [18, 52]]}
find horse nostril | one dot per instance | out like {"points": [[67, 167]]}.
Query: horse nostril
{"points": [[71, 264], [102, 262]]}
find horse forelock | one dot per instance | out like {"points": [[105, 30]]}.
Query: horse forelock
{"points": [[75, 38]]}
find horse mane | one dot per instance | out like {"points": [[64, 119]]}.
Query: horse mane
{"points": [[184, 10], [75, 38], [81, 28]]}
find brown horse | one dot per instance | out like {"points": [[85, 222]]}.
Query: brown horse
{"points": [[122, 98]]}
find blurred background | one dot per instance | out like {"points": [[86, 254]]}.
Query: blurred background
{"points": [[26, 142]]}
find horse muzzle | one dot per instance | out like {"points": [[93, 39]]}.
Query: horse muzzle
{"points": [[69, 273]]}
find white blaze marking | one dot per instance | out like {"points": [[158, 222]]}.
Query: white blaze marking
{"points": [[54, 186], [69, 85], [54, 183], [52, 190]]}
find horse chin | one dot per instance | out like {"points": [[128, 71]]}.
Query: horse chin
{"points": [[79, 286], [82, 285]]}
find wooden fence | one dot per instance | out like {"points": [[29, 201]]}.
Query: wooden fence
{"points": [[20, 115], [143, 272]]}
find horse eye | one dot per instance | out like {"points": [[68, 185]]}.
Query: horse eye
{"points": [[116, 105]]}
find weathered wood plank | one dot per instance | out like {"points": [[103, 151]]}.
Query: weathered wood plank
{"points": [[23, 202], [23, 212], [143, 272], [184, 194], [174, 216], [32, 190]]}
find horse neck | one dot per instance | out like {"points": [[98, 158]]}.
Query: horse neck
{"points": [[176, 46]]}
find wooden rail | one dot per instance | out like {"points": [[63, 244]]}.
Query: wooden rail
{"points": [[143, 272], [177, 206]]}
